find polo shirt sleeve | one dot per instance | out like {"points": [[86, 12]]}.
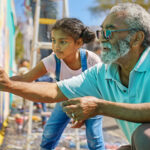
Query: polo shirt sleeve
{"points": [[84, 84]]}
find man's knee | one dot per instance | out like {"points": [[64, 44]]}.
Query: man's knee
{"points": [[141, 137]]}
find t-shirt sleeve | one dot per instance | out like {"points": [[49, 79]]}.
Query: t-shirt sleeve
{"points": [[50, 63], [93, 59], [84, 84]]}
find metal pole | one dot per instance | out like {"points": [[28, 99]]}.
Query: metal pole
{"points": [[33, 63], [65, 9], [77, 139]]}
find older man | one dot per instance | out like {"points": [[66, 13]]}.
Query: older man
{"points": [[123, 81], [118, 88]]}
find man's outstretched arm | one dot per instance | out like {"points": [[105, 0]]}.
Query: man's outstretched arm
{"points": [[37, 92]]}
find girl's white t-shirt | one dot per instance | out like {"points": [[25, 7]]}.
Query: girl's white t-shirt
{"points": [[66, 72]]}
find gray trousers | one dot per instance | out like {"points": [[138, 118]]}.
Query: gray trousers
{"points": [[140, 139]]}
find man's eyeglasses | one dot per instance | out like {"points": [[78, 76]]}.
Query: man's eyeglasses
{"points": [[107, 34]]}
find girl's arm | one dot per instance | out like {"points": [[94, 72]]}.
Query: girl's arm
{"points": [[32, 75]]}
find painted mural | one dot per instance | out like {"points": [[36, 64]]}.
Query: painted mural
{"points": [[7, 30]]}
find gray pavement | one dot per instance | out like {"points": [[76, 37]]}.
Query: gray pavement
{"points": [[113, 135], [15, 140]]}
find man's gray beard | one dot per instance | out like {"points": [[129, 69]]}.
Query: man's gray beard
{"points": [[113, 54]]}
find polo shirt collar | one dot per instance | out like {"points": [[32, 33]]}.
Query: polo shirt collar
{"points": [[143, 63], [112, 71]]}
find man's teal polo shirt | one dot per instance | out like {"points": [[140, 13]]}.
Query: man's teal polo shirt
{"points": [[103, 81]]}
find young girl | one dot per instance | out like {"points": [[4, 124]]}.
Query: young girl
{"points": [[68, 36]]}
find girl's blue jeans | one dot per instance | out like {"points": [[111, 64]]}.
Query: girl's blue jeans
{"points": [[57, 123]]}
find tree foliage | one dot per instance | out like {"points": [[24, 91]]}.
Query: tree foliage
{"points": [[19, 52], [105, 5]]}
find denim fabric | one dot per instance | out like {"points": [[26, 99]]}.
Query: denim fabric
{"points": [[57, 123], [44, 78], [94, 133]]}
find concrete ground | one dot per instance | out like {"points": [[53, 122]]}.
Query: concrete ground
{"points": [[113, 135], [15, 140]]}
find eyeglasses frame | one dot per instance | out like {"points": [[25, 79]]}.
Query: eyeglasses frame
{"points": [[109, 36]]}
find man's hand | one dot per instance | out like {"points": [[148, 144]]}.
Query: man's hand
{"points": [[4, 79], [81, 108]]}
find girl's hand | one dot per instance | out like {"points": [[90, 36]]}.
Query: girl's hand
{"points": [[77, 124]]}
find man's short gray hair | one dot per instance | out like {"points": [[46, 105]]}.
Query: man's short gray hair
{"points": [[136, 17]]}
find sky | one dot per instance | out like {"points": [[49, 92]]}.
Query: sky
{"points": [[79, 9]]}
